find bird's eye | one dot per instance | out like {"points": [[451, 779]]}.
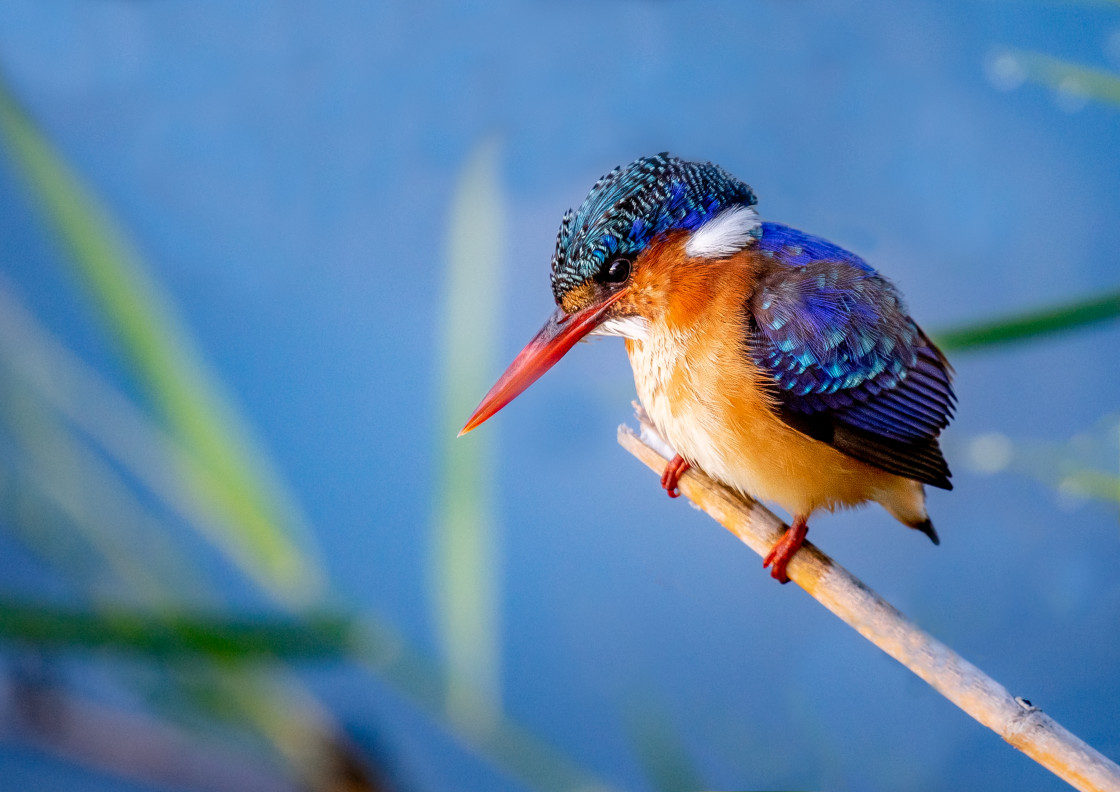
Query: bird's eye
{"points": [[615, 271]]}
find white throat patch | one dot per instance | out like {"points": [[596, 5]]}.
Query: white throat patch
{"points": [[633, 327], [725, 234]]}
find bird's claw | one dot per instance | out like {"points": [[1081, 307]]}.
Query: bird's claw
{"points": [[784, 549], [673, 472]]}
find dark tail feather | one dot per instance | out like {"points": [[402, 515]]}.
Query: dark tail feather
{"points": [[927, 528]]}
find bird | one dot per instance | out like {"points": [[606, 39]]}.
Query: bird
{"points": [[777, 362]]}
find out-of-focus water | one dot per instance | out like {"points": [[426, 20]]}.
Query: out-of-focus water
{"points": [[287, 172]]}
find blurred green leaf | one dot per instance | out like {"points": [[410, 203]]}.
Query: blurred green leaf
{"points": [[464, 570], [260, 524], [1071, 77], [220, 638], [1032, 324]]}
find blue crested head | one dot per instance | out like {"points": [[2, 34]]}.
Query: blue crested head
{"points": [[631, 206]]}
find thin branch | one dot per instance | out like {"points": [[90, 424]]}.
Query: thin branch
{"points": [[1014, 719]]}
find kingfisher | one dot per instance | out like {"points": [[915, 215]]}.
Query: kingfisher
{"points": [[780, 364]]}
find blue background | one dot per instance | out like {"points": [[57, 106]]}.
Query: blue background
{"points": [[286, 171]]}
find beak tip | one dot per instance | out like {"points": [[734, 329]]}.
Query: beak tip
{"points": [[471, 424]]}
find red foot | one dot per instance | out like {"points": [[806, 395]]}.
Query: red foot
{"points": [[673, 472], [784, 549]]}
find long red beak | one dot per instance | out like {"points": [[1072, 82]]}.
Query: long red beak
{"points": [[559, 334]]}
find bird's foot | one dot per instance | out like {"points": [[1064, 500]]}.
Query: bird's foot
{"points": [[784, 548], [673, 472]]}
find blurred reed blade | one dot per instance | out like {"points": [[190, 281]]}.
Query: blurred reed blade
{"points": [[231, 478], [84, 405], [463, 569], [1031, 325], [1069, 77], [208, 456], [660, 749], [68, 504], [253, 520], [261, 637], [60, 489], [1096, 484]]}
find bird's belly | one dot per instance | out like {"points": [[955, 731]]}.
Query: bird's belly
{"points": [[725, 424]]}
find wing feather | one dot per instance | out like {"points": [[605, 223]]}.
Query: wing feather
{"points": [[850, 367]]}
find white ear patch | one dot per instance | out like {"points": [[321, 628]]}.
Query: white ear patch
{"points": [[634, 327], [728, 232]]}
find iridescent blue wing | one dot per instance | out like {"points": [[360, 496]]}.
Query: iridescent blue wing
{"points": [[849, 366]]}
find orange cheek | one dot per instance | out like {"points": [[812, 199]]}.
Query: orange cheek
{"points": [[636, 302]]}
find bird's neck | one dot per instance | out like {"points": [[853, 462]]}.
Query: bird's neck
{"points": [[681, 296]]}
